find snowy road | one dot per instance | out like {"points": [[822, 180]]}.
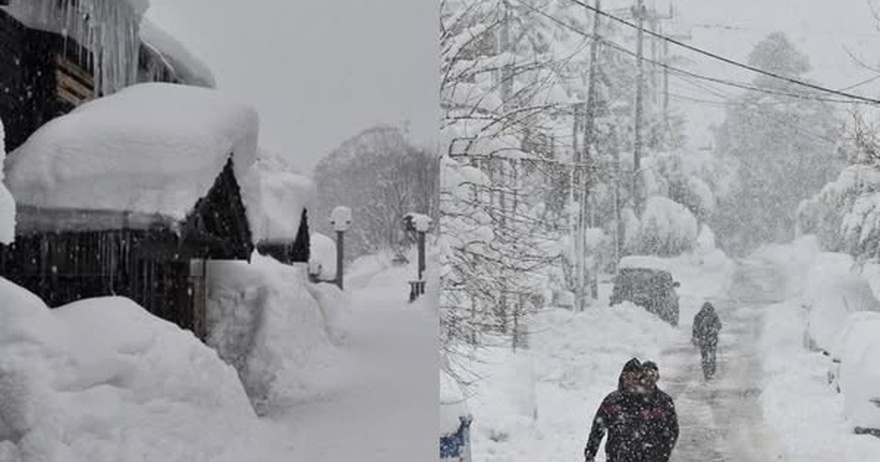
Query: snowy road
{"points": [[722, 420], [388, 408]]}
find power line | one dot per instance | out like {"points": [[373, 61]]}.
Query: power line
{"points": [[727, 60], [853, 99]]}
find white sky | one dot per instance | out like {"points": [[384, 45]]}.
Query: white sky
{"points": [[318, 71], [822, 29]]}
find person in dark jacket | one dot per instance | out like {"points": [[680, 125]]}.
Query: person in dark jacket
{"points": [[705, 336], [619, 415], [658, 416]]}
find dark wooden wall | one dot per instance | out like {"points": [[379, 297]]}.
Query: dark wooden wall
{"points": [[32, 83], [148, 266], [219, 222]]}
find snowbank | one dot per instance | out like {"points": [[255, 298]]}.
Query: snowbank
{"points": [[189, 69], [322, 256], [833, 290], [103, 380], [856, 350], [7, 203], [828, 285], [275, 199], [151, 148], [806, 414], [263, 319]]}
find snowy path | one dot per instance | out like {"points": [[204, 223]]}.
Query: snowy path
{"points": [[393, 385], [722, 420]]}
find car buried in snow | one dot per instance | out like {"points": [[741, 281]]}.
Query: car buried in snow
{"points": [[652, 289]]}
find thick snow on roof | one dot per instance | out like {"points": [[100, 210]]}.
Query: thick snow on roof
{"points": [[106, 27], [187, 67], [7, 204], [275, 198], [151, 148]]}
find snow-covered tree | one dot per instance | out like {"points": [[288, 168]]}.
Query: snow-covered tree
{"points": [[783, 139], [382, 177]]}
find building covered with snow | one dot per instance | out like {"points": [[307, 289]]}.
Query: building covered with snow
{"points": [[127, 169], [56, 55], [128, 194]]}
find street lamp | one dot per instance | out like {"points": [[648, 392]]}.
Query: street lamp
{"points": [[340, 218], [420, 224]]}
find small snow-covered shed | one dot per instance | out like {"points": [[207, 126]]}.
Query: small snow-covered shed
{"points": [[278, 202], [129, 194], [58, 54]]}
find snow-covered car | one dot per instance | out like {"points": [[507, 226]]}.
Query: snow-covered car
{"points": [[652, 289], [830, 297], [455, 421], [860, 384], [851, 341]]}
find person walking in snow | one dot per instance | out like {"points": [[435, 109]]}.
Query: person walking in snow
{"points": [[620, 416], [705, 336], [658, 417]]}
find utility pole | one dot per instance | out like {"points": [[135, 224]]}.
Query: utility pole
{"points": [[590, 134], [639, 13]]}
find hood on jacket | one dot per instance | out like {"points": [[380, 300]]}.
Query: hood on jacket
{"points": [[633, 365]]}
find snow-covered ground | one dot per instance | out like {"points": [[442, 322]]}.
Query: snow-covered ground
{"points": [[770, 400], [573, 361], [337, 376]]}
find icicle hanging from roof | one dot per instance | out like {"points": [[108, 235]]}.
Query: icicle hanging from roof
{"points": [[108, 28]]}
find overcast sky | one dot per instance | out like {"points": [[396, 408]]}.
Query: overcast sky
{"points": [[822, 29], [318, 71]]}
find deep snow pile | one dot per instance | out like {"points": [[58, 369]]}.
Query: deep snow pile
{"points": [[7, 203], [805, 411], [275, 198], [814, 421], [272, 325], [103, 380], [322, 257], [151, 148], [829, 286]]}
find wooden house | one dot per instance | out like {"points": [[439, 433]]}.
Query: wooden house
{"points": [[45, 73], [64, 255], [65, 252]]}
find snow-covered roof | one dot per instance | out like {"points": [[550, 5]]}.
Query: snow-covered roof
{"points": [[108, 28], [275, 199], [188, 68], [151, 148]]}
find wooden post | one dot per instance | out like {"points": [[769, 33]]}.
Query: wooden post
{"points": [[198, 269], [422, 265], [638, 142], [340, 246]]}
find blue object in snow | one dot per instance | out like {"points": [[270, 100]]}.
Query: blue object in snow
{"points": [[457, 446]]}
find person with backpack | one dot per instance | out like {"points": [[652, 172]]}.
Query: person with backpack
{"points": [[706, 327], [658, 417], [620, 416]]}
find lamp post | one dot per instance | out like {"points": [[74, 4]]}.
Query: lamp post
{"points": [[420, 224], [340, 218]]}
